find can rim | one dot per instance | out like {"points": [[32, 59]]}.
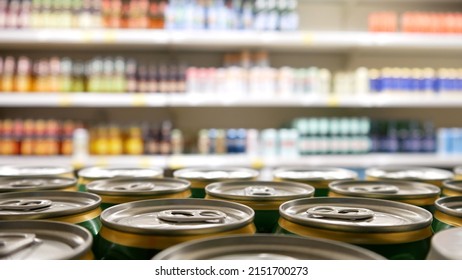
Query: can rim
{"points": [[441, 206], [33, 225], [213, 190], [452, 185], [458, 170], [82, 173], [352, 174], [336, 187], [49, 195], [72, 182], [284, 245], [445, 174], [183, 186], [370, 203], [180, 173], [66, 168], [442, 248], [164, 204]]}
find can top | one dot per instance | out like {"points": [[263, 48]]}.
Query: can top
{"points": [[23, 171], [43, 240], [138, 186], [266, 247], [446, 245], [385, 189], [13, 184], [259, 190], [177, 216], [364, 215], [45, 204], [455, 185], [216, 174], [113, 172], [458, 170], [314, 173], [409, 173], [450, 205]]}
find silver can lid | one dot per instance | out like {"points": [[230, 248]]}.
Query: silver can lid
{"points": [[216, 174], [25, 171], [362, 215], [409, 173], [45, 204], [177, 216], [138, 186], [454, 185], [93, 173], [385, 189], [266, 247], [450, 205], [13, 184], [259, 190], [43, 240], [458, 170], [314, 173], [446, 245]]}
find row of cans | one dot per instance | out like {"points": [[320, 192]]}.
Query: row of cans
{"points": [[141, 228]]}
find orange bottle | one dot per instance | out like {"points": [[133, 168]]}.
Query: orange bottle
{"points": [[134, 142], [27, 143], [115, 141]]}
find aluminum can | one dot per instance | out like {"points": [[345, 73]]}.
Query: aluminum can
{"points": [[201, 177], [446, 245], [266, 247], [318, 177], [433, 176], [37, 183], [139, 230], [394, 230], [264, 197], [448, 213]]}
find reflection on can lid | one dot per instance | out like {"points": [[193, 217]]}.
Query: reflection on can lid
{"points": [[450, 205], [314, 173], [259, 190], [385, 189], [11, 184], [138, 186], [216, 174], [45, 204], [113, 172], [409, 173], [12, 170], [446, 245], [177, 216], [364, 215], [265, 247], [43, 240]]}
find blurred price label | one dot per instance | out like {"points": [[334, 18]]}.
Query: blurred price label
{"points": [[307, 38], [109, 36], [139, 100], [333, 101], [144, 162], [64, 100], [175, 163], [257, 163], [102, 161], [87, 36]]}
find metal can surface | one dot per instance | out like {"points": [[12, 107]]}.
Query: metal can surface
{"points": [[91, 174], [37, 183], [123, 190], [415, 193], [318, 177], [44, 240], [141, 229], [264, 197], [452, 188], [428, 175], [201, 177], [266, 247], [448, 213], [392, 229], [446, 245], [33, 171], [70, 207], [458, 172]]}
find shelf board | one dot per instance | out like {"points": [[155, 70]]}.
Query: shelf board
{"points": [[207, 100], [182, 161], [340, 41]]}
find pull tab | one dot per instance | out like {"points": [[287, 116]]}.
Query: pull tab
{"points": [[375, 189], [342, 213], [260, 191], [27, 183], [192, 216], [136, 187], [25, 204], [13, 242]]}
